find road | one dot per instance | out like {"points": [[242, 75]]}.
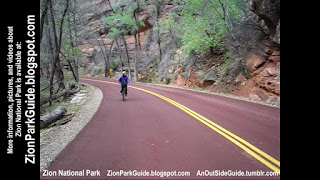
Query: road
{"points": [[147, 133]]}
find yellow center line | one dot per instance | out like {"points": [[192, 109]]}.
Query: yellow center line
{"points": [[246, 146]]}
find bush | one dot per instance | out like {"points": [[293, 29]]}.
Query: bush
{"points": [[185, 75], [167, 80], [82, 71], [114, 64], [97, 68]]}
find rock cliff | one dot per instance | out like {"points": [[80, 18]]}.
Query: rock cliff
{"points": [[259, 36]]}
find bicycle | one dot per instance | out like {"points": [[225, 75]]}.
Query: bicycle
{"points": [[124, 89]]}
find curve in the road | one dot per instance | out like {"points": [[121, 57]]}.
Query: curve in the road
{"points": [[253, 151]]}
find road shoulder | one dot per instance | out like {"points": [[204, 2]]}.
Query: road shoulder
{"points": [[55, 139]]}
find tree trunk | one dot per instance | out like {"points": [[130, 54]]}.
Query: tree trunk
{"points": [[55, 45], [76, 61], [108, 55], [125, 45], [121, 63], [136, 58], [73, 45], [44, 9], [137, 46], [57, 42], [105, 60], [158, 8]]}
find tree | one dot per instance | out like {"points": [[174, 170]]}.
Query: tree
{"points": [[44, 10], [157, 4], [73, 52], [205, 22], [56, 67], [123, 22], [136, 31], [58, 32], [169, 25]]}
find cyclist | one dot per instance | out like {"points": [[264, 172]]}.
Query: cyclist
{"points": [[124, 81]]}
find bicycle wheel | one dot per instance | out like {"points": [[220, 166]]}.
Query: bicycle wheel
{"points": [[123, 95]]}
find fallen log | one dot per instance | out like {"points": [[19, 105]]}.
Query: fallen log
{"points": [[66, 118], [50, 118], [66, 92]]}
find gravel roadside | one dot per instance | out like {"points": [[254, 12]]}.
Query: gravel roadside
{"points": [[55, 139]]}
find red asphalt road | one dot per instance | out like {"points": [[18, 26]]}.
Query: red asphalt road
{"points": [[148, 133]]}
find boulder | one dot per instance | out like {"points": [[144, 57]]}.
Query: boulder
{"points": [[259, 94], [76, 100], [273, 100], [276, 37], [254, 62], [272, 71], [267, 50], [273, 86], [254, 97], [210, 76], [80, 95], [103, 30], [83, 91], [241, 78], [275, 58], [208, 79], [276, 53], [180, 80]]}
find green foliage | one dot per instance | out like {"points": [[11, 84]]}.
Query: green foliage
{"points": [[44, 62], [205, 22], [69, 51], [202, 74], [114, 64], [228, 63], [168, 23], [122, 23], [97, 68], [167, 80], [185, 75], [151, 77], [82, 71], [227, 56], [148, 80], [157, 60]]}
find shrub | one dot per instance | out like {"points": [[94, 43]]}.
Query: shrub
{"points": [[81, 71], [167, 80], [114, 64]]}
